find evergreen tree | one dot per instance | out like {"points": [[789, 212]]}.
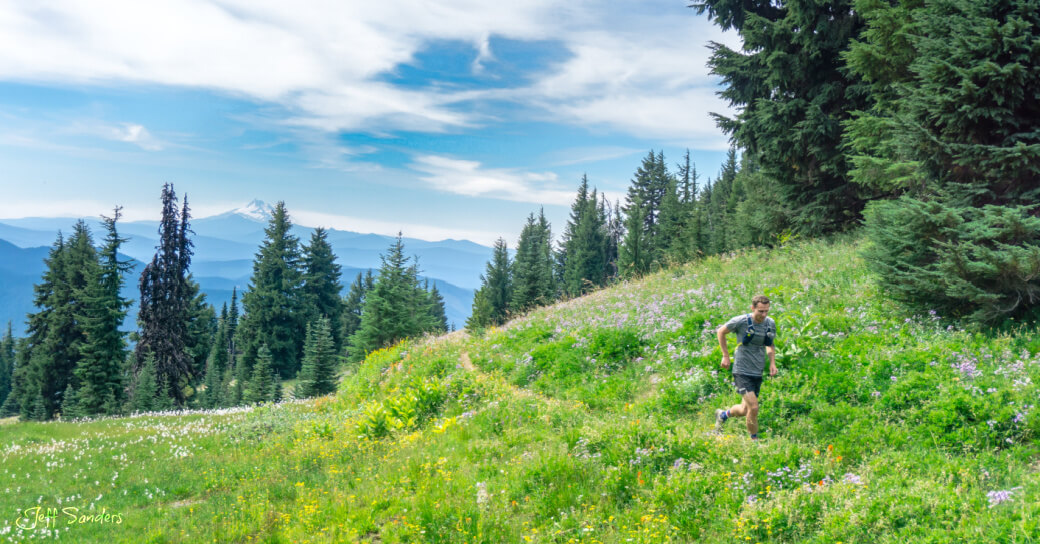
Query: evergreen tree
{"points": [[218, 353], [213, 394], [12, 405], [585, 244], [437, 313], [146, 387], [165, 315], [633, 260], [354, 304], [321, 283], [672, 224], [274, 312], [392, 307], [56, 336], [961, 139], [648, 188], [491, 302], [615, 233], [6, 364], [792, 93], [318, 374], [99, 371], [70, 403], [533, 283], [261, 386]]}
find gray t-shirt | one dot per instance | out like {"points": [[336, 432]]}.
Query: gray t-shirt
{"points": [[751, 359]]}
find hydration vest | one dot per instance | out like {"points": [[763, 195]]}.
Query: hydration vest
{"points": [[750, 333]]}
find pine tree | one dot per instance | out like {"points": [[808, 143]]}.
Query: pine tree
{"points": [[56, 336], [391, 306], [6, 364], [672, 224], [321, 283], [165, 314], [584, 244], [633, 260], [99, 371], [792, 93], [146, 387], [261, 386], [960, 137], [437, 312], [202, 327], [274, 313], [615, 233], [213, 395], [533, 276], [318, 374], [492, 301], [12, 405], [353, 306]]}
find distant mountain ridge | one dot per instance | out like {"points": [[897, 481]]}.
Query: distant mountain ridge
{"points": [[225, 246]]}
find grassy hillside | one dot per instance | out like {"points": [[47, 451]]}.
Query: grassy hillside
{"points": [[588, 422]]}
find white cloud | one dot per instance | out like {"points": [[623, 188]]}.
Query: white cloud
{"points": [[431, 233], [636, 66], [470, 179]]}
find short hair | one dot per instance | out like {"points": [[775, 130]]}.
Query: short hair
{"points": [[759, 299]]}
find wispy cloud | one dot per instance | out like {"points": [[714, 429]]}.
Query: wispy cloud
{"points": [[469, 178], [322, 60]]}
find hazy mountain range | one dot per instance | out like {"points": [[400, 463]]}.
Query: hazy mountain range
{"points": [[225, 246]]}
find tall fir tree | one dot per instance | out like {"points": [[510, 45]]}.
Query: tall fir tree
{"points": [[584, 244], [12, 405], [633, 260], [792, 93], [274, 311], [6, 364], [166, 303], [392, 307], [99, 371], [533, 278], [321, 283], [318, 373], [144, 397], [436, 313], [491, 302], [354, 305], [56, 336], [262, 384]]}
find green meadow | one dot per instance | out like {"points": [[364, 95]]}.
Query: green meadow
{"points": [[589, 421]]}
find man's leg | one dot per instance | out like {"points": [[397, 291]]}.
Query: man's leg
{"points": [[747, 408]]}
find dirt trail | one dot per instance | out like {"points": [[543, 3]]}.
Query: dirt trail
{"points": [[466, 363]]}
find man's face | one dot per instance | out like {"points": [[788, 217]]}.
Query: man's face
{"points": [[759, 312]]}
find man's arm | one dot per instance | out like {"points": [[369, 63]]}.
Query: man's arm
{"points": [[771, 351], [721, 333]]}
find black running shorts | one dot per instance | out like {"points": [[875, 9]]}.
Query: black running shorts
{"points": [[747, 383]]}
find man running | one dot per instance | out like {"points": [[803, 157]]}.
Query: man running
{"points": [[756, 332]]}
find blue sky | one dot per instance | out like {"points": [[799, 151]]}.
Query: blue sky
{"points": [[441, 119]]}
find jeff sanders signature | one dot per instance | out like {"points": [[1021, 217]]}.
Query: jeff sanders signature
{"points": [[31, 517]]}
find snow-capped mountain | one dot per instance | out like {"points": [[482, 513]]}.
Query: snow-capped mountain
{"points": [[257, 210]]}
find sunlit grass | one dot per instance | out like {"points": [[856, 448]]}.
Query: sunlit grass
{"points": [[588, 422]]}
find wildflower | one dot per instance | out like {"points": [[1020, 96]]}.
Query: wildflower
{"points": [[876, 394], [998, 497]]}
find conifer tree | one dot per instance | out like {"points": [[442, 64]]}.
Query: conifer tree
{"points": [[392, 307], [165, 314], [438, 316], [321, 283], [672, 224], [6, 364], [633, 260], [274, 312], [56, 336], [354, 304], [318, 374], [146, 387], [99, 371], [585, 244], [533, 283], [792, 93], [212, 395], [615, 233], [491, 302], [12, 405], [262, 385]]}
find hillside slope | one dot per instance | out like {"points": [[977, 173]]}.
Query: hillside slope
{"points": [[588, 422]]}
